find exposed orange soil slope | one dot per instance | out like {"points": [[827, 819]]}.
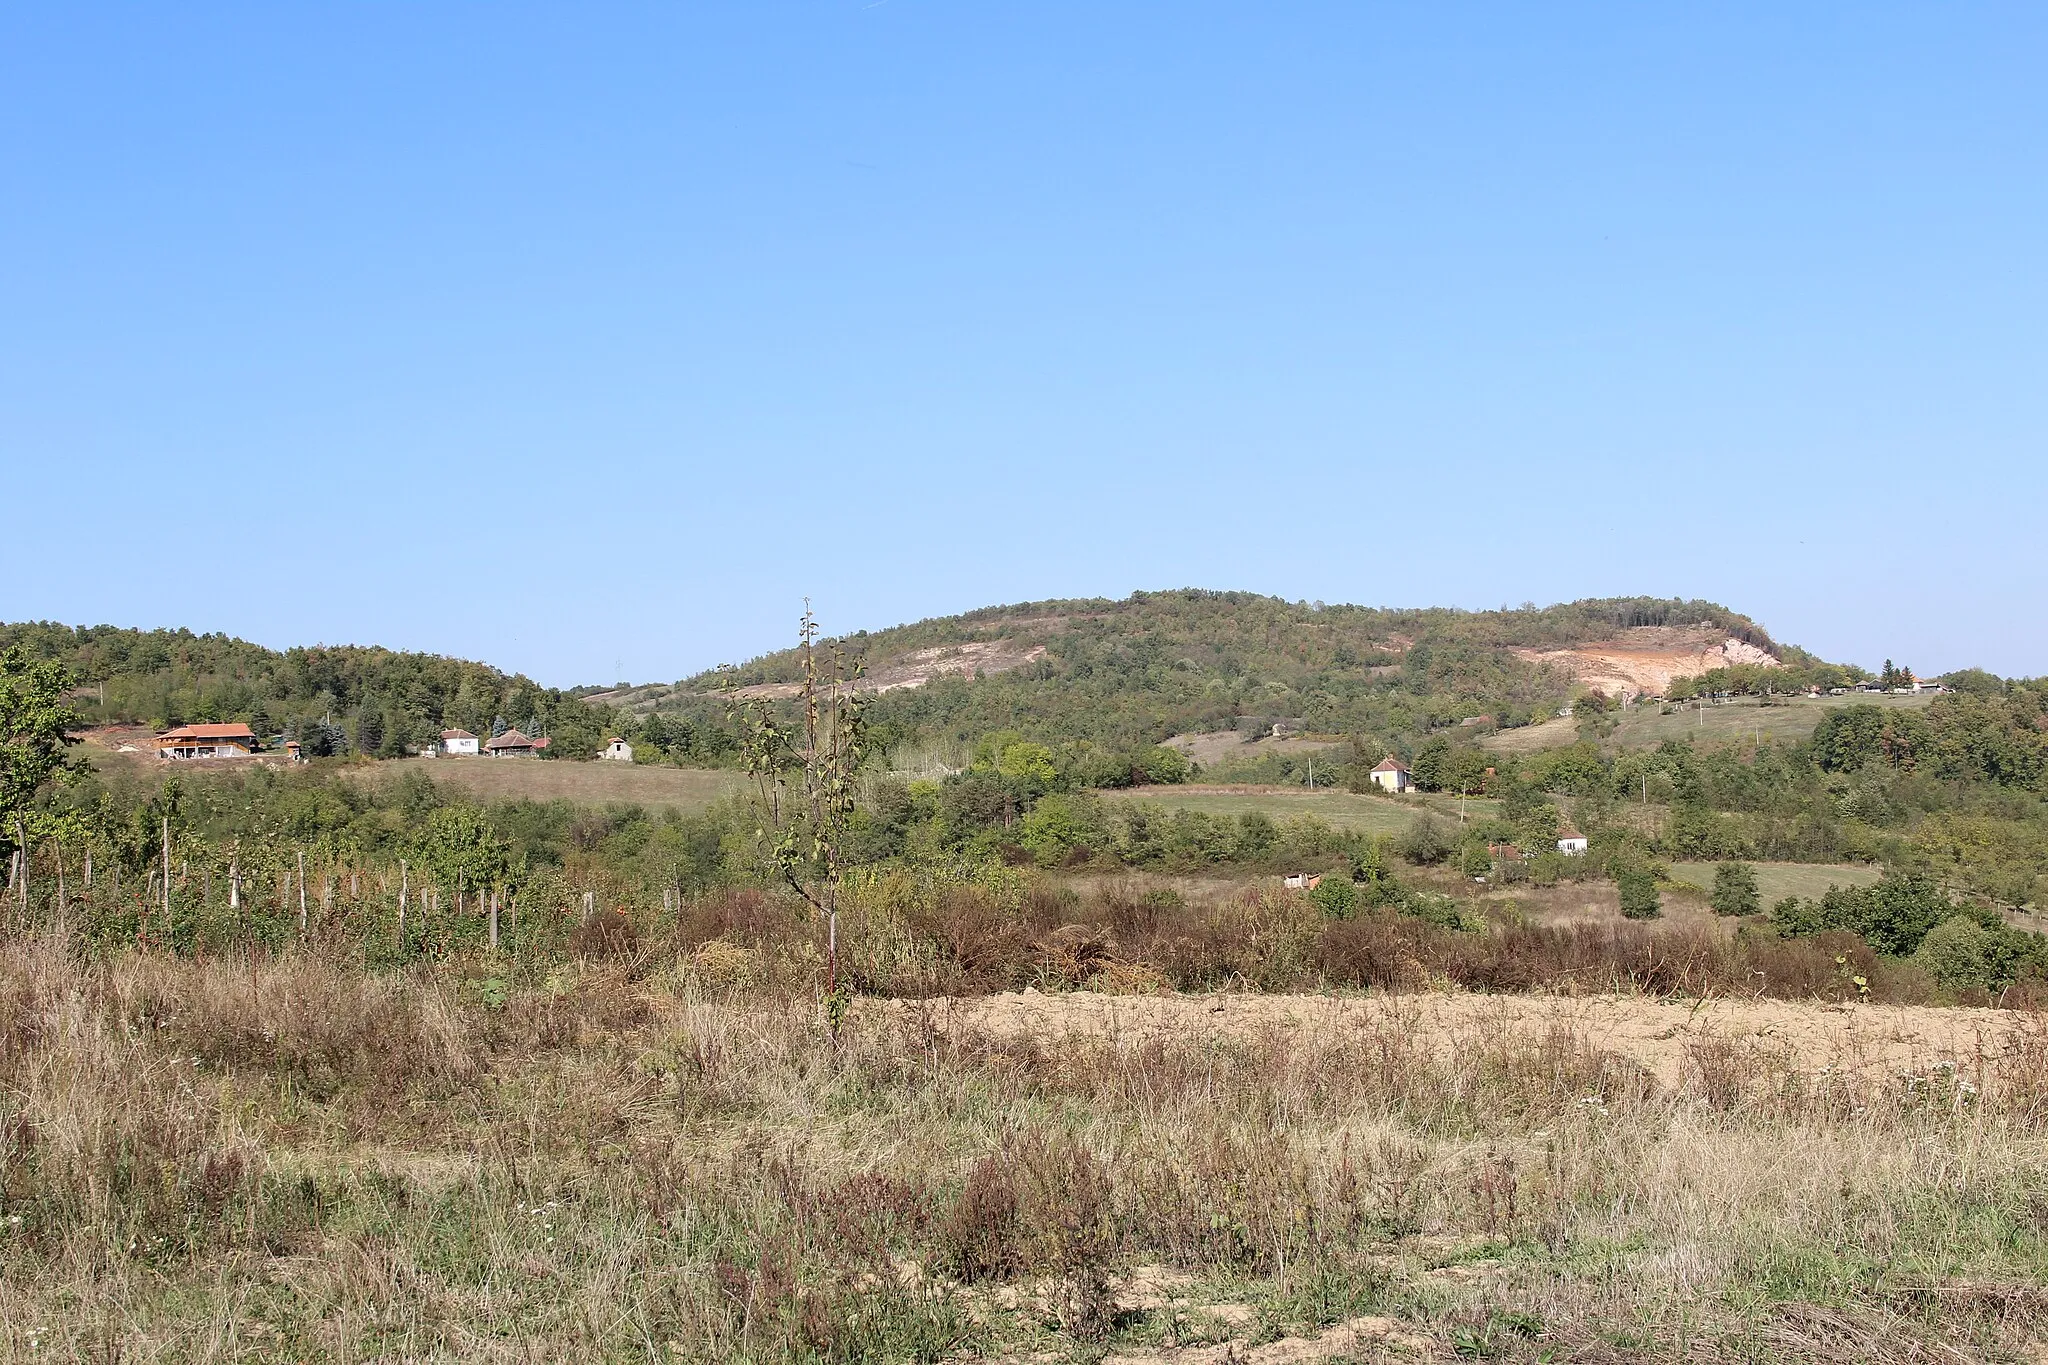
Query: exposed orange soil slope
{"points": [[1647, 658]]}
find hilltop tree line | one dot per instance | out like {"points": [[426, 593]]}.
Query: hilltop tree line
{"points": [[334, 700], [1133, 672]]}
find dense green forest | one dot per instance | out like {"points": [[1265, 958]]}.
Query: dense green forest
{"points": [[335, 700]]}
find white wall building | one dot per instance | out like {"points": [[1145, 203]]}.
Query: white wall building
{"points": [[1391, 775], [458, 744], [617, 750]]}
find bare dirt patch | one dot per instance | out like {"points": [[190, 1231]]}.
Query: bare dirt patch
{"points": [[975, 658], [1647, 658], [1345, 1341], [1870, 1041]]}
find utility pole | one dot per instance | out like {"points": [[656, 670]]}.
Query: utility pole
{"points": [[167, 874], [302, 893], [403, 887]]}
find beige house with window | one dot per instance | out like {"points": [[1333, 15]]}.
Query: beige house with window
{"points": [[1391, 775]]}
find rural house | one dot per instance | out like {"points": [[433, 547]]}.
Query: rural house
{"points": [[617, 750], [512, 744], [206, 741], [458, 744], [1391, 775], [1570, 842]]}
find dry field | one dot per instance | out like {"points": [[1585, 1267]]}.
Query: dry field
{"points": [[596, 784], [1225, 746], [667, 1157]]}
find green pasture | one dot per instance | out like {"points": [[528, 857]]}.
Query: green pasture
{"points": [[1341, 809], [1775, 881]]}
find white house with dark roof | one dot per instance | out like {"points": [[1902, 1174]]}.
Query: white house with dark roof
{"points": [[458, 744], [1570, 842], [1391, 775]]}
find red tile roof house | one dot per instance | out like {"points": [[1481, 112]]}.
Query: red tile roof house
{"points": [[206, 741]]}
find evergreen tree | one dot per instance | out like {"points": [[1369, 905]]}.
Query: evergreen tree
{"points": [[1638, 888], [1735, 890]]}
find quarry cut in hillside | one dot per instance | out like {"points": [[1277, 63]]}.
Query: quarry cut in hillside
{"points": [[920, 666], [1647, 658]]}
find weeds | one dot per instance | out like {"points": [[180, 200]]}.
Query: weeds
{"points": [[289, 1157]]}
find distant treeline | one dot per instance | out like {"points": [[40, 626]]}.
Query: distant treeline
{"points": [[336, 699]]}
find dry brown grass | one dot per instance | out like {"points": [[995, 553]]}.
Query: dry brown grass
{"points": [[252, 1159], [591, 784]]}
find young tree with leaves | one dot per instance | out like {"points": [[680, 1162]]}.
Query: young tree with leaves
{"points": [[804, 775]]}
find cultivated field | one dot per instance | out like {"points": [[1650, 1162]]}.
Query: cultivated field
{"points": [[1342, 809], [596, 784]]}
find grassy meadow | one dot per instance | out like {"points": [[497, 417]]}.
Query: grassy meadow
{"points": [[667, 1156], [592, 784], [1787, 719], [1338, 808], [1774, 881]]}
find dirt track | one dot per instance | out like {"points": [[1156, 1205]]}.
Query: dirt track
{"points": [[1867, 1039]]}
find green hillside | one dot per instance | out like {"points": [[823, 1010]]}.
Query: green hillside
{"points": [[1130, 672]]}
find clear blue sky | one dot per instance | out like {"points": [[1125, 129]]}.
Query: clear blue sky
{"points": [[589, 339]]}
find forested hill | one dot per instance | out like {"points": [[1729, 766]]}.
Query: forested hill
{"points": [[1115, 673], [333, 699], [1155, 664]]}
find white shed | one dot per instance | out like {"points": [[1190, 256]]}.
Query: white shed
{"points": [[617, 750]]}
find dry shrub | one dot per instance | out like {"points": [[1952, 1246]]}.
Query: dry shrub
{"points": [[325, 1025], [1072, 953], [608, 933], [744, 917], [719, 963], [603, 999], [980, 947], [1376, 951], [1067, 1228], [111, 1144], [977, 1238], [1129, 978]]}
